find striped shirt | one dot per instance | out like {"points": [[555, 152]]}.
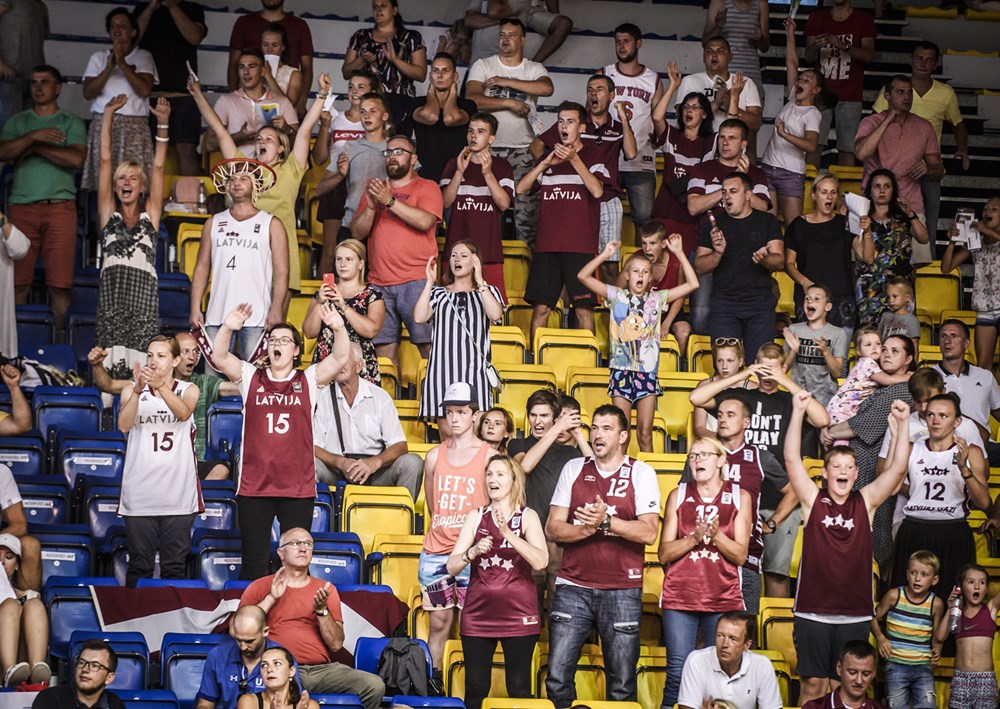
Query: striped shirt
{"points": [[909, 627], [739, 29]]}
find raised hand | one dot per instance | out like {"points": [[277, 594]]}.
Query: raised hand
{"points": [[430, 270], [161, 109], [463, 160], [115, 103], [278, 584], [674, 74], [481, 547], [324, 83], [331, 317], [486, 162], [321, 597], [234, 321], [791, 339], [800, 400], [10, 375], [675, 245], [96, 356], [138, 381]]}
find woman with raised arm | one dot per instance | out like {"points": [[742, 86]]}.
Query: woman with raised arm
{"points": [[283, 78], [129, 205]]}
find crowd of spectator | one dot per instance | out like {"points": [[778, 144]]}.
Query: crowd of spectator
{"points": [[549, 530]]}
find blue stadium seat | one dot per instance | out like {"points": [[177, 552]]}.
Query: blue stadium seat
{"points": [[46, 500], [36, 325], [24, 455], [84, 294], [71, 609], [59, 356], [325, 516], [338, 557], [175, 295], [133, 656], [182, 659], [217, 556], [81, 327], [66, 550], [430, 702], [235, 585], [368, 651], [352, 701], [101, 504], [55, 585], [225, 428], [99, 455], [171, 583], [66, 409], [149, 699], [220, 505]]}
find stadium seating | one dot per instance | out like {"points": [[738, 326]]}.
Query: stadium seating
{"points": [[133, 656], [46, 500], [182, 660], [590, 675], [394, 561], [368, 511], [66, 409], [35, 324], [94, 454], [66, 550], [348, 701], [337, 557], [225, 428], [217, 556], [25, 455], [368, 651], [561, 348], [71, 608], [150, 699]]}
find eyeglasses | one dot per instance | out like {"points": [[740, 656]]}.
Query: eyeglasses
{"points": [[92, 665], [281, 340], [299, 543], [395, 152], [701, 456], [727, 341]]}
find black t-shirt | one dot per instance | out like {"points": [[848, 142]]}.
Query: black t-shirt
{"points": [[823, 253], [769, 417], [63, 696], [737, 276], [542, 480], [437, 144], [169, 48]]}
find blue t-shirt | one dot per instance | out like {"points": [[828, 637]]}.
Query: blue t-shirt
{"points": [[224, 670]]}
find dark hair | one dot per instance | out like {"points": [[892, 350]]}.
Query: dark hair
{"points": [[742, 177], [445, 55], [653, 228], [487, 118], [957, 323], [966, 568], [543, 397], [253, 52], [894, 208], [48, 69], [296, 338], [729, 47], [825, 99], [508, 421], [901, 282], [820, 286], [897, 78], [630, 29], [397, 20], [388, 126], [447, 277], [860, 649], [839, 450], [612, 410], [605, 78], [278, 29], [515, 22], [708, 115], [908, 346], [97, 644], [927, 44], [948, 396], [568, 402], [733, 396], [736, 123], [294, 692], [747, 619], [573, 106], [120, 11], [373, 80]]}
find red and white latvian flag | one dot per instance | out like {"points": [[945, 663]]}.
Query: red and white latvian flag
{"points": [[156, 611]]}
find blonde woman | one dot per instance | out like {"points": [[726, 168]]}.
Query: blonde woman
{"points": [[502, 542], [361, 305]]}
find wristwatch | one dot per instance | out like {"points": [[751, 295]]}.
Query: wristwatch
{"points": [[606, 524], [392, 201], [325, 611], [770, 525]]}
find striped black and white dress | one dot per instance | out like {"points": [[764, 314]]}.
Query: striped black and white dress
{"points": [[454, 357]]}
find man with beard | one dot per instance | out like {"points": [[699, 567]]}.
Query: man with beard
{"points": [[399, 218], [232, 668], [94, 669]]}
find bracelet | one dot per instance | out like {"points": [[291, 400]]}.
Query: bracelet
{"points": [[163, 126], [465, 557], [966, 477], [160, 139], [392, 201], [322, 97]]}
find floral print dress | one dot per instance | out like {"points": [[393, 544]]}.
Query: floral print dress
{"points": [[893, 249]]}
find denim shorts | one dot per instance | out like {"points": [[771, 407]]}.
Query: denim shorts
{"points": [[909, 686], [399, 303], [440, 590], [785, 182]]}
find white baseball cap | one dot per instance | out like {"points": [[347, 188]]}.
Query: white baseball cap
{"points": [[459, 394], [11, 542]]}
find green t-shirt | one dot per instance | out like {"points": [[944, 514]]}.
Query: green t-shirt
{"points": [[37, 178], [208, 393]]}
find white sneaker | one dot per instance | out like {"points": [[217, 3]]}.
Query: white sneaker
{"points": [[16, 674]]}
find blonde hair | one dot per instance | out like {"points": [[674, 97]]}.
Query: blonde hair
{"points": [[283, 140], [126, 165], [517, 477], [359, 250], [716, 445]]}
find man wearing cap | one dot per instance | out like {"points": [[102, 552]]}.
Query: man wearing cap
{"points": [[454, 485], [245, 250], [305, 617]]}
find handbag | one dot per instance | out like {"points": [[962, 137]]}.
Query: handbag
{"points": [[492, 373]]}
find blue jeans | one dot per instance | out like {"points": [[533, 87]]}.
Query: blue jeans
{"points": [[680, 630], [641, 188], [751, 320], [909, 686], [576, 611], [243, 342]]}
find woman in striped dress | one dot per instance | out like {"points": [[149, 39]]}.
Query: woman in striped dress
{"points": [[460, 312]]}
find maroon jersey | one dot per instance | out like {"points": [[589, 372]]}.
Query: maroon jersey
{"points": [[703, 580], [502, 600], [607, 140], [707, 177], [569, 217], [277, 458], [474, 214], [835, 576], [605, 560], [745, 470]]}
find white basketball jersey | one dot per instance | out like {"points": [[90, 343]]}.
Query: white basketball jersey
{"points": [[636, 92], [161, 470], [937, 491], [241, 267]]}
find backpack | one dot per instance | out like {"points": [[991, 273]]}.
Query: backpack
{"points": [[34, 373], [403, 668]]}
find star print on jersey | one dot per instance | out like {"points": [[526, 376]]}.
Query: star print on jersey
{"points": [[613, 510], [712, 556], [838, 521], [507, 565]]}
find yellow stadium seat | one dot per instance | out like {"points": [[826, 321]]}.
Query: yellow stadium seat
{"points": [[369, 511], [982, 16], [651, 625], [782, 672], [518, 313], [602, 325], [516, 264], [667, 482], [651, 675], [697, 344], [674, 405], [786, 288], [418, 621], [389, 375], [397, 568], [414, 429], [936, 292], [593, 704], [507, 344], [420, 449], [589, 386], [775, 629], [521, 381], [670, 355], [298, 304], [665, 463], [936, 13], [409, 360], [590, 675], [453, 664], [926, 330], [562, 348], [188, 242], [652, 577], [504, 703], [660, 435]]}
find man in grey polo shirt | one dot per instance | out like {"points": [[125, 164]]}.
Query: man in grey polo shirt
{"points": [[729, 670], [358, 434]]}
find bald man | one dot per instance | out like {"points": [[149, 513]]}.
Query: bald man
{"points": [[233, 667], [210, 389]]}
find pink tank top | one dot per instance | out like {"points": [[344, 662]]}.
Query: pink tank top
{"points": [[981, 625], [456, 492]]}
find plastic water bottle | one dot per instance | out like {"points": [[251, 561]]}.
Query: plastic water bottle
{"points": [[202, 207], [955, 614]]}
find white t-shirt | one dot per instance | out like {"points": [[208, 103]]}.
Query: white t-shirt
{"points": [[513, 131], [977, 389], [702, 83], [9, 494], [118, 84], [647, 490], [753, 685], [798, 120], [918, 429]]}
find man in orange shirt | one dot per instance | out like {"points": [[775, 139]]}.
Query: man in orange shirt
{"points": [[399, 217], [304, 616]]}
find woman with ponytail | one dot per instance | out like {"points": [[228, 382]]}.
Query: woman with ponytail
{"points": [[281, 688]]}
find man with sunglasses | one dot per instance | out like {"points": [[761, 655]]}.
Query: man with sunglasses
{"points": [[305, 616], [399, 217], [94, 669]]}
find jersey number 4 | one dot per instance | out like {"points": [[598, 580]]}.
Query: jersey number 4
{"points": [[232, 263], [277, 424]]}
